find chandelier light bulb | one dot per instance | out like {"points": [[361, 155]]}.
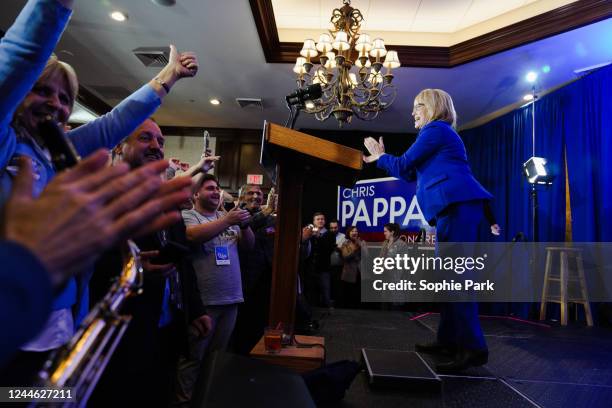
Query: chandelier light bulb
{"points": [[392, 60], [363, 44], [309, 50], [341, 41], [324, 45], [299, 65], [331, 60], [378, 50]]}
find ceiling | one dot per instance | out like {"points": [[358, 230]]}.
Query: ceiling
{"points": [[232, 65], [414, 22]]}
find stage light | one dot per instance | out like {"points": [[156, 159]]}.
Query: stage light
{"points": [[531, 77], [536, 172], [215, 101], [528, 97], [118, 16], [546, 69]]}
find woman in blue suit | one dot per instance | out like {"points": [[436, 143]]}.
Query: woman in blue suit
{"points": [[452, 200]]}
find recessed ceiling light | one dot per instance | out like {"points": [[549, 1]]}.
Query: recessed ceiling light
{"points": [[167, 3], [528, 97], [215, 101], [118, 16]]}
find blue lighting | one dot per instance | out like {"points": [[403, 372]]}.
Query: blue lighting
{"points": [[546, 69]]}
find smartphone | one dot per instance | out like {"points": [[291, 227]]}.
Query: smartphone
{"points": [[63, 153], [206, 143]]}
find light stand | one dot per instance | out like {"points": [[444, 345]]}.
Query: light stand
{"points": [[535, 168], [534, 192]]}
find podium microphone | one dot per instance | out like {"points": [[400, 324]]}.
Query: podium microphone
{"points": [[301, 95], [298, 98]]}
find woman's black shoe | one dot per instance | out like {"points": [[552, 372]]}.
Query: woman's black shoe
{"points": [[463, 360], [435, 348]]}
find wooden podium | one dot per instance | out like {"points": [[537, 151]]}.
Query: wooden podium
{"points": [[293, 156]]}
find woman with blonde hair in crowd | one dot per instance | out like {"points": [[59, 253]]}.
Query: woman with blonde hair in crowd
{"points": [[453, 201]]}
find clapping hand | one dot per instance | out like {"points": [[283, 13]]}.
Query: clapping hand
{"points": [[89, 208], [237, 216], [376, 149]]}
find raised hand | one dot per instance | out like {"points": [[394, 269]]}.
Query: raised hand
{"points": [[185, 64], [376, 149], [87, 209], [306, 233], [207, 162], [495, 229], [180, 65]]}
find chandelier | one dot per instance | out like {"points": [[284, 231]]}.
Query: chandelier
{"points": [[349, 70]]}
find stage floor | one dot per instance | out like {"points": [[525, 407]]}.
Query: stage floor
{"points": [[530, 364]]}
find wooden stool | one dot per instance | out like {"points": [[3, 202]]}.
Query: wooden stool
{"points": [[565, 276], [295, 358]]}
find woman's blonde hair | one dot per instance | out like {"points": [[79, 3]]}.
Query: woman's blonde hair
{"points": [[56, 67], [438, 105]]}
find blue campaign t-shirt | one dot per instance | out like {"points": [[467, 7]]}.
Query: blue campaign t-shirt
{"points": [[218, 281]]}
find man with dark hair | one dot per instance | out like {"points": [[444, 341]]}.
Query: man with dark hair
{"points": [[318, 244], [215, 239], [256, 268]]}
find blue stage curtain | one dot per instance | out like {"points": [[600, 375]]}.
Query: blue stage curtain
{"points": [[497, 151], [576, 120], [588, 133], [577, 117]]}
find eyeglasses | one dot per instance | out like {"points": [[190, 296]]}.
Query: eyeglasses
{"points": [[419, 106]]}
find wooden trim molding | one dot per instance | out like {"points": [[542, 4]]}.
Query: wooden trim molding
{"points": [[560, 20]]}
